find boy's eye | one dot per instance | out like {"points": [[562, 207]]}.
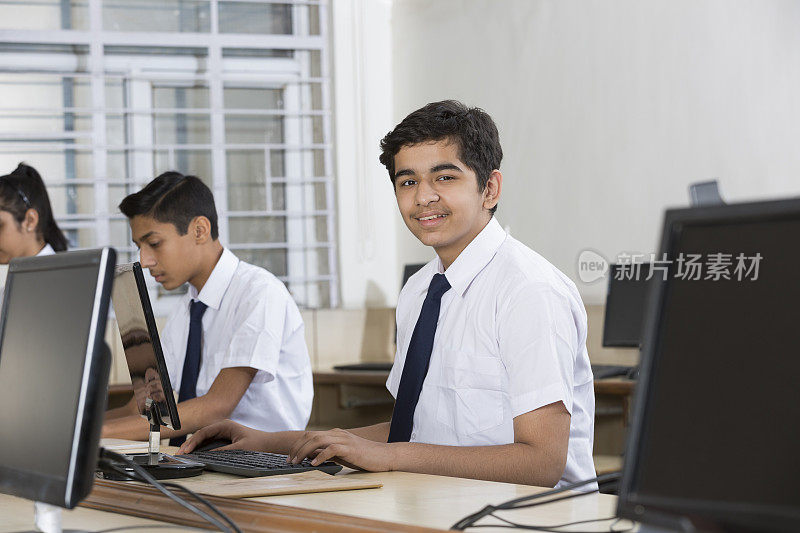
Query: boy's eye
{"points": [[444, 178], [154, 244], [406, 183]]}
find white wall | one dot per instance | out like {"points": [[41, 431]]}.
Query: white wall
{"points": [[608, 110], [362, 51]]}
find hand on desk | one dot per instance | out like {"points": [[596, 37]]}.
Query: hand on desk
{"points": [[241, 437], [343, 447]]}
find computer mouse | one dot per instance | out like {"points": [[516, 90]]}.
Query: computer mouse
{"points": [[212, 444]]}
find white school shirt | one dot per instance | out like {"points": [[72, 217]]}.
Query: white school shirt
{"points": [[47, 250], [511, 338], [251, 321]]}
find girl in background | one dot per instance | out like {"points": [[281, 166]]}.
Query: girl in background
{"points": [[27, 226]]}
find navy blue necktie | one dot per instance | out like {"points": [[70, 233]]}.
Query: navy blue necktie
{"points": [[417, 359], [191, 364]]}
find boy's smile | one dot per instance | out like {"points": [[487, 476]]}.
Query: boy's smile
{"points": [[439, 199]]}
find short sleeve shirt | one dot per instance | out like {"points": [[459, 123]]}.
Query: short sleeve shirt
{"points": [[251, 321], [511, 338]]}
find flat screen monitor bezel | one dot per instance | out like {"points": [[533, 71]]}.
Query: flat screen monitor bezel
{"points": [[671, 512], [152, 330], [56, 490]]}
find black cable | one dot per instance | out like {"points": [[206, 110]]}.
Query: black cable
{"points": [[136, 477], [470, 520], [557, 528], [141, 472], [133, 476]]}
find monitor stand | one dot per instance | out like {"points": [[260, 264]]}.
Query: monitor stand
{"points": [[47, 519], [159, 465]]}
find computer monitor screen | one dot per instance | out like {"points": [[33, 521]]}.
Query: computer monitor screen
{"points": [[717, 420], [53, 374], [625, 304], [409, 270], [151, 386]]}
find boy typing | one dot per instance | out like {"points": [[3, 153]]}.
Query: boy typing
{"points": [[492, 378], [234, 345]]}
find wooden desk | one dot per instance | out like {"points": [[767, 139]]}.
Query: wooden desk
{"points": [[412, 500]]}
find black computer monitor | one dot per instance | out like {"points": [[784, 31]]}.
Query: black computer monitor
{"points": [[152, 389], [713, 441], [54, 368], [409, 270], [625, 304]]}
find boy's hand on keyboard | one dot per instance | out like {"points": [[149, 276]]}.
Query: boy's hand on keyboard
{"points": [[240, 437], [343, 447]]}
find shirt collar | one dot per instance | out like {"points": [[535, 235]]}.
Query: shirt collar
{"points": [[47, 250], [218, 281], [473, 258]]}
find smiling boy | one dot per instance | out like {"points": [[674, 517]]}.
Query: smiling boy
{"points": [[491, 378], [234, 345]]}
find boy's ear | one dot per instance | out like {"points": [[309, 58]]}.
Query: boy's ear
{"points": [[200, 229], [491, 194]]}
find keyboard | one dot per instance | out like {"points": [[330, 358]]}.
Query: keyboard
{"points": [[256, 464]]}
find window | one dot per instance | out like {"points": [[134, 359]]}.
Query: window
{"points": [[102, 95]]}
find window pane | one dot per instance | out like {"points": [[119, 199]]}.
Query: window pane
{"points": [[246, 180], [277, 163], [253, 98], [279, 196], [323, 262], [180, 97], [257, 229], [115, 195], [117, 164], [71, 199], [272, 260], [313, 20], [253, 129], [318, 293], [189, 162], [314, 195], [116, 132], [194, 163], [78, 237], [251, 17], [44, 15], [156, 15], [55, 165], [182, 129], [120, 234]]}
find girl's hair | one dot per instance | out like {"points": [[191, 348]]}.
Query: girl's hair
{"points": [[24, 189]]}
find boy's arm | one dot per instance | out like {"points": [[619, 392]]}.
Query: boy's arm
{"points": [[128, 409], [220, 401], [538, 455]]}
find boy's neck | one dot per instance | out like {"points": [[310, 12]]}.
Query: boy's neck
{"points": [[449, 256], [208, 260]]}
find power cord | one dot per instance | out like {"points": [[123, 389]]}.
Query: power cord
{"points": [[527, 501], [107, 461]]}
